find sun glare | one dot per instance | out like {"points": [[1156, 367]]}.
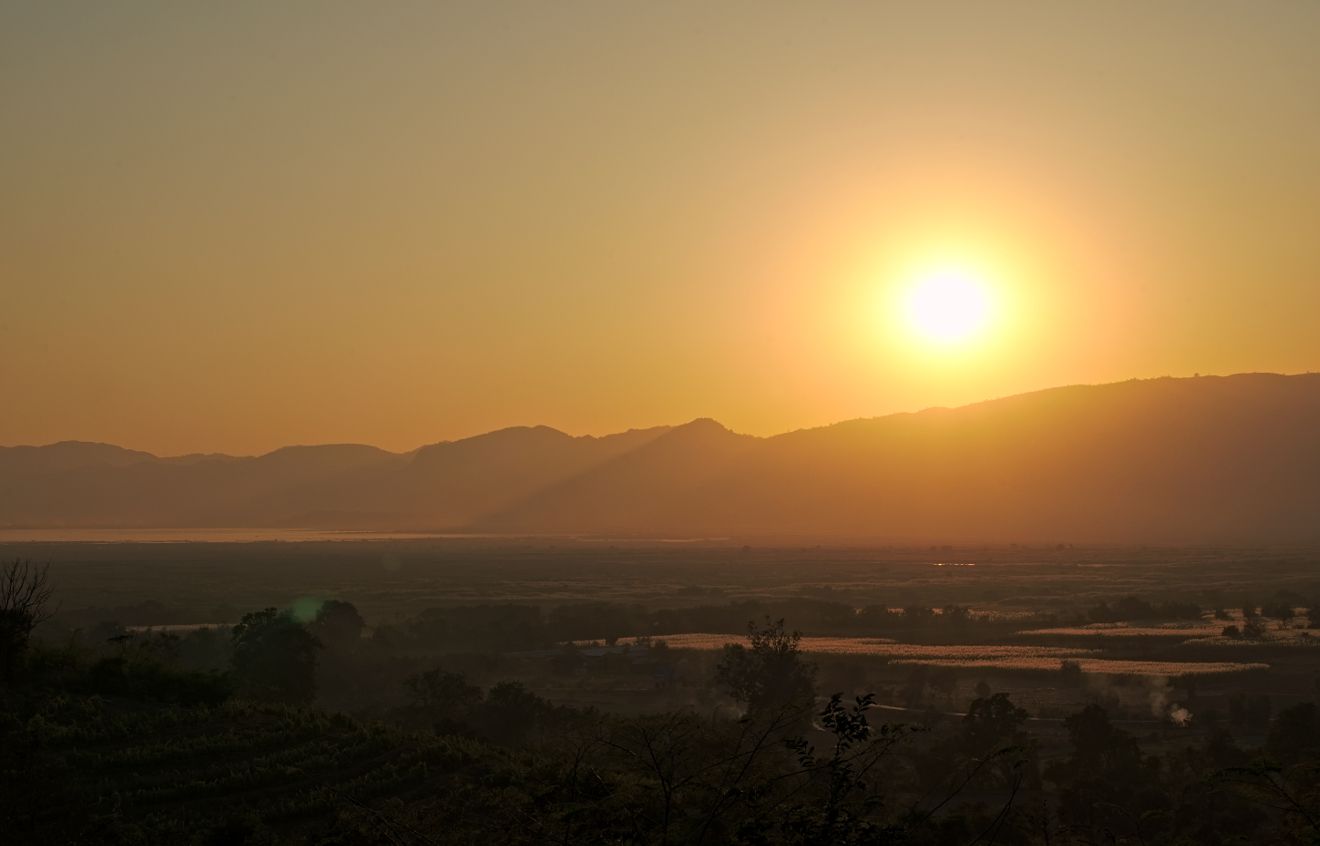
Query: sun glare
{"points": [[947, 305]]}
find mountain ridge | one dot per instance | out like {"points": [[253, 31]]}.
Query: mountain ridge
{"points": [[1206, 458]]}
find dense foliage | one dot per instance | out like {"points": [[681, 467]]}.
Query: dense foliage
{"points": [[233, 737]]}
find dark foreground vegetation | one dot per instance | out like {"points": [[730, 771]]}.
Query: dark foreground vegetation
{"points": [[516, 723]]}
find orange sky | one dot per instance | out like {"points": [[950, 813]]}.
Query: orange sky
{"points": [[238, 226]]}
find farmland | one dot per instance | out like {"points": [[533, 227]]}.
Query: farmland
{"points": [[446, 665]]}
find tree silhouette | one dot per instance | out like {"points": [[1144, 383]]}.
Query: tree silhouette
{"points": [[24, 595], [338, 624], [274, 658], [768, 676], [443, 699]]}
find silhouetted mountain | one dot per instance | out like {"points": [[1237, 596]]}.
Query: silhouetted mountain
{"points": [[457, 482], [1177, 460], [67, 455], [622, 495], [1208, 459], [347, 486]]}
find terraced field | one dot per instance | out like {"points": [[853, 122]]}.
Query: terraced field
{"points": [[980, 656], [155, 766], [1098, 666], [1172, 630]]}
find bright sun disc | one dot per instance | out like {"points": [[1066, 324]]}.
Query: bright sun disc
{"points": [[948, 305]]}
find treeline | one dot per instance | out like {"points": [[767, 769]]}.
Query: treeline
{"points": [[506, 627], [510, 627], [122, 744], [84, 758], [1136, 609]]}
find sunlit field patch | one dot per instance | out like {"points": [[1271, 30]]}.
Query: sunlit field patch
{"points": [[1124, 630], [883, 647], [973, 656], [1302, 638], [835, 645], [998, 614], [1096, 666]]}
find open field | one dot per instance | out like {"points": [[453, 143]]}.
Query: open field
{"points": [[1025, 609], [391, 579], [575, 632], [999, 657]]}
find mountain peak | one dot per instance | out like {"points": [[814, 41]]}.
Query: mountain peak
{"points": [[705, 425], [1196, 460]]}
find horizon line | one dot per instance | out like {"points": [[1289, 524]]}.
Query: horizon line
{"points": [[670, 426]]}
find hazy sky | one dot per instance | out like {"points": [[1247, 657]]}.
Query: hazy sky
{"points": [[232, 226]]}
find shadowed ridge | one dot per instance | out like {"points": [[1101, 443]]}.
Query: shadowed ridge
{"points": [[70, 455], [528, 437], [1160, 460], [202, 458], [325, 457], [703, 427], [700, 433], [620, 494], [633, 436], [517, 437], [449, 484], [1243, 385], [1207, 459], [275, 488]]}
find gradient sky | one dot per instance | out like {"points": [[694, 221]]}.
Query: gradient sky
{"points": [[234, 226]]}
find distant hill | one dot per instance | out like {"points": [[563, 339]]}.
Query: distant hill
{"points": [[1207, 459], [339, 486]]}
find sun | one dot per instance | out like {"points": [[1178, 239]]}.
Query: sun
{"points": [[947, 305]]}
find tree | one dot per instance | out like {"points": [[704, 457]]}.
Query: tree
{"points": [[274, 658], [914, 686], [1252, 710], [569, 660], [992, 722], [511, 713], [1107, 790], [1253, 629], [768, 677], [843, 810], [443, 699], [917, 615], [24, 595], [338, 624], [1099, 748], [1295, 733], [1278, 609]]}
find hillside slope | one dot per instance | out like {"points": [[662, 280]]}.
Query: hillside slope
{"points": [[1209, 459], [1165, 460]]}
